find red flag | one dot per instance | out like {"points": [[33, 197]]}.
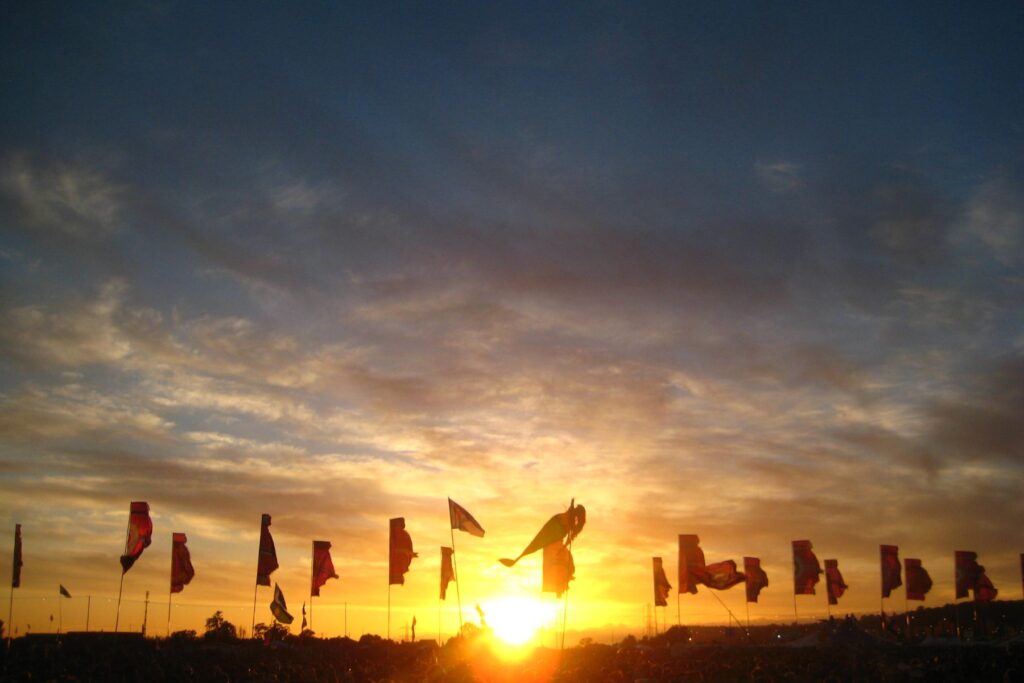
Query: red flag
{"points": [[661, 584], [971, 576], [559, 568], [181, 563], [16, 566], [323, 566], [918, 580], [890, 558], [140, 534], [462, 520], [400, 551], [266, 562], [834, 581], [690, 557], [806, 569], [756, 578], [719, 575], [447, 570]]}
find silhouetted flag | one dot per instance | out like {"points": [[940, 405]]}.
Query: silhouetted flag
{"points": [[266, 562], [970, 576], [806, 569], [890, 558], [559, 568], [661, 584], [279, 607], [303, 616], [16, 565], [984, 591], [323, 566], [447, 571], [720, 575], [64, 591], [462, 520], [565, 525], [756, 578], [140, 534], [834, 581], [400, 551], [918, 580], [691, 557], [181, 563]]}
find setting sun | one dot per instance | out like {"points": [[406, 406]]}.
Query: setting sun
{"points": [[516, 620]]}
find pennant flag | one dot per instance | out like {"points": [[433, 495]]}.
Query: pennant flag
{"points": [[279, 607], [890, 569], [462, 520], [414, 628], [806, 569], [303, 616], [140, 534], [918, 580], [565, 525], [756, 578], [266, 561], [447, 571], [64, 591], [691, 557], [970, 576], [181, 563], [559, 568], [16, 566], [661, 584], [834, 581], [323, 566], [400, 552]]}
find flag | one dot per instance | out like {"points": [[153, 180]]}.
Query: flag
{"points": [[323, 566], [414, 628], [559, 568], [303, 616], [279, 607], [64, 591], [565, 525], [691, 557], [447, 571], [181, 563], [140, 534], [970, 576], [661, 584], [16, 565], [918, 580], [806, 569], [266, 561], [890, 557], [756, 578], [834, 581], [400, 552], [462, 520], [720, 575]]}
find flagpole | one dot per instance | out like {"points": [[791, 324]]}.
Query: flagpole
{"points": [[439, 619], [10, 608], [455, 561], [60, 613], [346, 619], [169, 594], [252, 630], [747, 603], [88, 611], [679, 619], [311, 569], [796, 616], [565, 607], [389, 608], [127, 532]]}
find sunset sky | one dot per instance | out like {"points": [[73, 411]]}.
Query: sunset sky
{"points": [[750, 271]]}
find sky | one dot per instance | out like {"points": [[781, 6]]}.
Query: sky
{"points": [[752, 271]]}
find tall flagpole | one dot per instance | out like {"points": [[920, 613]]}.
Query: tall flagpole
{"points": [[455, 561], [170, 589], [127, 531], [252, 630], [88, 611], [311, 570], [565, 607], [169, 594], [60, 613], [389, 607]]}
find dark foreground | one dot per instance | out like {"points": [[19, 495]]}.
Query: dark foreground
{"points": [[107, 658]]}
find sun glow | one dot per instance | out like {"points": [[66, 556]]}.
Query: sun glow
{"points": [[516, 620]]}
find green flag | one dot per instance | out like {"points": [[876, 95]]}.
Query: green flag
{"points": [[279, 607]]}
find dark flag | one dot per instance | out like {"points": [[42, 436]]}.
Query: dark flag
{"points": [[661, 584], [890, 558], [447, 571], [691, 557], [140, 534], [756, 578], [400, 552], [303, 616], [16, 566], [918, 580], [64, 591], [266, 561], [558, 570], [720, 575], [806, 569], [279, 607], [970, 576], [462, 520], [984, 591], [834, 581], [323, 566], [565, 525], [181, 563]]}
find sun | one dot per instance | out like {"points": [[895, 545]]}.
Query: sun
{"points": [[516, 620]]}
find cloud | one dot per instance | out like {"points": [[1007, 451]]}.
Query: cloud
{"points": [[779, 177], [994, 217]]}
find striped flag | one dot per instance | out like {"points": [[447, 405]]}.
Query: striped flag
{"points": [[462, 520]]}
